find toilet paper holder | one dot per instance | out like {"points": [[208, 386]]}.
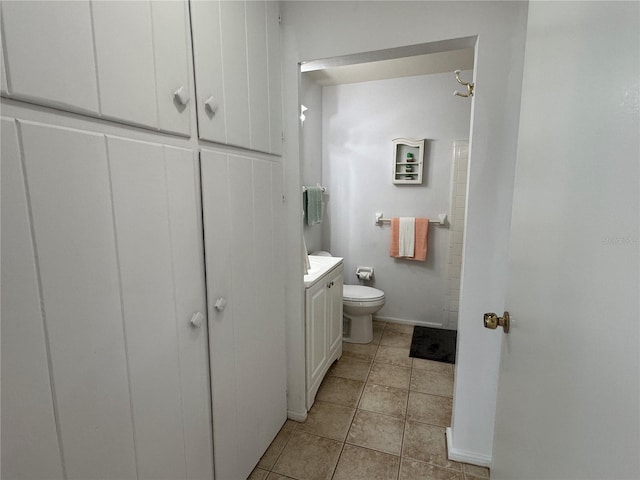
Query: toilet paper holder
{"points": [[364, 273]]}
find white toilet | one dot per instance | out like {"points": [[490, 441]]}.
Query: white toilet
{"points": [[359, 304]]}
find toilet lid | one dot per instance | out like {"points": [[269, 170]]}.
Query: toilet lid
{"points": [[361, 293]]}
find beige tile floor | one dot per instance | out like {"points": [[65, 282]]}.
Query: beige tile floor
{"points": [[379, 415]]}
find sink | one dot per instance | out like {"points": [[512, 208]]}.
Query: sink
{"points": [[315, 266], [320, 266]]}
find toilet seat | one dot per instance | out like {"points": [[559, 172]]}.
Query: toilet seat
{"points": [[361, 294]]}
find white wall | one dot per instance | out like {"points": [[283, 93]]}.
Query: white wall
{"points": [[315, 30], [311, 159], [360, 122]]}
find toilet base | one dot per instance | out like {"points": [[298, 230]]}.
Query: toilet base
{"points": [[357, 328]]}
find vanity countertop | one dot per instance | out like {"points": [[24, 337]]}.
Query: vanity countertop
{"points": [[320, 266]]}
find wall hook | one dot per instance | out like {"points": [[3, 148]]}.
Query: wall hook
{"points": [[469, 86]]}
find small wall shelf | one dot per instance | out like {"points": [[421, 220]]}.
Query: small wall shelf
{"points": [[408, 159]]}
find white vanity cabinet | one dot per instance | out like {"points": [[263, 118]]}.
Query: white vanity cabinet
{"points": [[236, 47], [124, 61], [323, 327]]}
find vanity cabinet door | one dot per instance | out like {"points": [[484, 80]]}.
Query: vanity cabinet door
{"points": [[117, 60], [334, 309], [237, 68], [323, 329], [316, 336]]}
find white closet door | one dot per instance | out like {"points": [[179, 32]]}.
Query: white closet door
{"points": [[50, 58], [275, 77], [234, 68], [172, 63], [247, 338], [258, 74], [125, 58], [151, 327], [185, 216], [273, 332], [207, 52], [68, 180], [30, 447], [156, 219], [119, 262], [237, 61], [227, 414], [3, 65]]}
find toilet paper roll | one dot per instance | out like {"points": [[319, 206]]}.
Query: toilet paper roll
{"points": [[364, 275]]}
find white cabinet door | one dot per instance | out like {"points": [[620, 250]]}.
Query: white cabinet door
{"points": [[144, 64], [275, 77], [49, 54], [242, 213], [257, 50], [162, 287], [112, 355], [172, 60], [67, 175], [119, 60], [235, 71], [323, 329], [316, 337], [124, 53], [3, 65], [30, 447], [334, 310], [237, 60], [207, 52]]}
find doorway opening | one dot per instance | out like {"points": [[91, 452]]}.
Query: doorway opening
{"points": [[352, 108]]}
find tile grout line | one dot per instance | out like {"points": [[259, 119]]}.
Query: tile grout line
{"points": [[406, 417], [281, 451], [356, 409]]}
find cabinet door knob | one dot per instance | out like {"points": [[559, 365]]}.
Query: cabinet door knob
{"points": [[196, 320], [182, 96], [211, 104], [220, 304]]}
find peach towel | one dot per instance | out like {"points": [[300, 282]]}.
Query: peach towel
{"points": [[422, 226]]}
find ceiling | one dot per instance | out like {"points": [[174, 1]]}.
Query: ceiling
{"points": [[426, 64]]}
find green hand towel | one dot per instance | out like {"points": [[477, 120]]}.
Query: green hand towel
{"points": [[314, 205]]}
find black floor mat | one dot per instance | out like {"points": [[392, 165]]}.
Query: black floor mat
{"points": [[434, 344]]}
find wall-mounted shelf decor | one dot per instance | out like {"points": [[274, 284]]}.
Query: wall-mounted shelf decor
{"points": [[408, 159]]}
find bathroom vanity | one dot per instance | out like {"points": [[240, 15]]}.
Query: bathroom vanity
{"points": [[323, 320]]}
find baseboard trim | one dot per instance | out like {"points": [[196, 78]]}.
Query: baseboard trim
{"points": [[296, 416], [402, 321], [465, 457]]}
